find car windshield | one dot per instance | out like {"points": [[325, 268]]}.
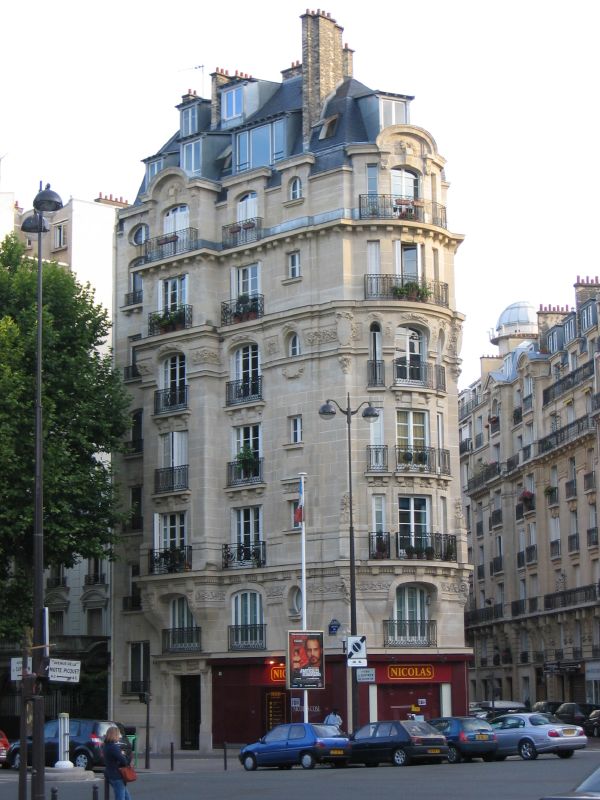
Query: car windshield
{"points": [[417, 728], [476, 725], [327, 731]]}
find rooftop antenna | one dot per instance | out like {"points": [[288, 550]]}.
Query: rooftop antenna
{"points": [[198, 66]]}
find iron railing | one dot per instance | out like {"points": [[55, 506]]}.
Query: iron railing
{"points": [[565, 434], [407, 288], [428, 546], [131, 372], [247, 472], [170, 244], [171, 479], [247, 637], [409, 633], [173, 399], [242, 309], [377, 458], [568, 382], [176, 318], [244, 555], [245, 231], [175, 640], [133, 298], [170, 560], [245, 390], [379, 544], [429, 376], [401, 207], [375, 373]]}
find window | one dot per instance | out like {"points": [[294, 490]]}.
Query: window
{"points": [[407, 260], [232, 103], [181, 615], [373, 258], [56, 620], [189, 120], [296, 429], [246, 280], [295, 192], [328, 127], [295, 514], [141, 234], [587, 317], [378, 511], [393, 112], [248, 530], [173, 449], [411, 613], [172, 531], [294, 264], [260, 146], [408, 360], [294, 345], [60, 236], [569, 330], [372, 178], [247, 206], [174, 372], [404, 184], [247, 366], [191, 157], [139, 664], [95, 622], [154, 167], [137, 429], [176, 219], [173, 293], [412, 521], [247, 619], [411, 429], [248, 436]]}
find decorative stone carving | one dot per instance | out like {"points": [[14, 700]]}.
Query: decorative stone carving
{"points": [[204, 355], [272, 345], [321, 336], [345, 509], [292, 373], [345, 362]]}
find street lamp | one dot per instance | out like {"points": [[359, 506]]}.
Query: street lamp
{"points": [[45, 200], [370, 414]]}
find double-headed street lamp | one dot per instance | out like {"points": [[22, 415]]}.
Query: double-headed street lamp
{"points": [[45, 200], [328, 411]]}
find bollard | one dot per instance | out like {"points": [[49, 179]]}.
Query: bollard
{"points": [[225, 756], [172, 756], [54, 793], [95, 792]]}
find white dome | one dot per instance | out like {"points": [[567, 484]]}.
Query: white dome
{"points": [[517, 318]]}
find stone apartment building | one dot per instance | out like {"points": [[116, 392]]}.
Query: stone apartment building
{"points": [[529, 452], [289, 245]]}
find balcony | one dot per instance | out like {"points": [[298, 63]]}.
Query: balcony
{"points": [[422, 459], [480, 572], [566, 434], [375, 373], [134, 298], [551, 493], [478, 440], [397, 287], [377, 458], [134, 523], [555, 548], [242, 309], [169, 400], [170, 560], [409, 633], [427, 376], [512, 463], [427, 546], [131, 373], [519, 511], [570, 490], [132, 603], [571, 597], [176, 318], [135, 687], [527, 452], [487, 614], [171, 479], [573, 543], [531, 554], [244, 555], [520, 559], [467, 408], [496, 565], [170, 244], [494, 423], [247, 637], [518, 607], [246, 390], [592, 537], [487, 473], [245, 231], [180, 640], [569, 382], [401, 207], [134, 447], [528, 403], [95, 579], [465, 446], [240, 473], [479, 528], [379, 544]]}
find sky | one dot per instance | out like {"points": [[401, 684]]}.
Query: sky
{"points": [[508, 90]]}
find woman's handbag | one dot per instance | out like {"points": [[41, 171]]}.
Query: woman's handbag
{"points": [[128, 774]]}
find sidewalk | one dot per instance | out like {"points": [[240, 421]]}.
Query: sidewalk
{"points": [[184, 761]]}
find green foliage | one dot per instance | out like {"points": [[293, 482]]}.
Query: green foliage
{"points": [[84, 419]]}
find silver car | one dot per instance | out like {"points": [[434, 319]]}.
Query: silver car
{"points": [[528, 735]]}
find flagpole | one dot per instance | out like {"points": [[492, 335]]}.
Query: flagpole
{"points": [[302, 476]]}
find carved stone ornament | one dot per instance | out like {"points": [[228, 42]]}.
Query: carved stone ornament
{"points": [[204, 355], [291, 373], [272, 345], [321, 336], [345, 362]]}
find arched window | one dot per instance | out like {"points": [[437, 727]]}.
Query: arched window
{"points": [[247, 619], [176, 219], [411, 615], [404, 184], [409, 362], [295, 189], [141, 234], [294, 345], [247, 207]]}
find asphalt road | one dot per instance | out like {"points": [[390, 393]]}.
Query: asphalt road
{"points": [[198, 779]]}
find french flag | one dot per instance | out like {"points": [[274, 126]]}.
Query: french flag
{"points": [[299, 512]]}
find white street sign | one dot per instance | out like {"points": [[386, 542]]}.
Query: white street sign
{"points": [[65, 671], [16, 668], [365, 674], [357, 651]]}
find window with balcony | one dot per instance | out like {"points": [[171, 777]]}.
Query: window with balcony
{"points": [[411, 438], [139, 668], [173, 450], [407, 261], [247, 381], [247, 629], [184, 633], [247, 548], [410, 626], [412, 525], [173, 396], [409, 362]]}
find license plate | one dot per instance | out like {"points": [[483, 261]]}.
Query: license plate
{"points": [[336, 752], [569, 731], [433, 750], [482, 736]]}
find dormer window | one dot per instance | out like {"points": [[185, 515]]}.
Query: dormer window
{"points": [[189, 121], [393, 112], [328, 127], [260, 147], [154, 167], [232, 103], [191, 153], [569, 330]]}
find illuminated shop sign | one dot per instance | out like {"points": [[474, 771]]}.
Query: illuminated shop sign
{"points": [[411, 672]]}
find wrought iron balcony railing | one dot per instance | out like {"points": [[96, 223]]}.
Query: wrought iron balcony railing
{"points": [[487, 473], [573, 543], [170, 244], [170, 560], [568, 433], [570, 489], [176, 318], [429, 376], [379, 544], [531, 554], [134, 298], [134, 523], [465, 446], [377, 458], [239, 473], [479, 528], [409, 633], [465, 409], [401, 207], [244, 555], [589, 481], [571, 597], [245, 231], [54, 582], [245, 390], [480, 572], [496, 565], [569, 381], [407, 288], [592, 537], [428, 546], [173, 399], [247, 637], [243, 308], [375, 373], [422, 459], [555, 548], [496, 517], [171, 479], [478, 616], [517, 415], [551, 493], [175, 640], [512, 463]]}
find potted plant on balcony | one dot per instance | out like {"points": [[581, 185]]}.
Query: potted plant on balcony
{"points": [[412, 290], [409, 550], [246, 459], [248, 224], [399, 291], [424, 293], [168, 238], [429, 553], [407, 456], [526, 496], [549, 490]]}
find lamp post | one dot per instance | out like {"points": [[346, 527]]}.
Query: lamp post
{"points": [[45, 200], [370, 414]]}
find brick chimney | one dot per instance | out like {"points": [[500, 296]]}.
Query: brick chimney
{"points": [[585, 289], [219, 78], [325, 64]]}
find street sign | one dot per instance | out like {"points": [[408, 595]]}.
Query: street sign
{"points": [[365, 674], [64, 671], [356, 654], [16, 668]]}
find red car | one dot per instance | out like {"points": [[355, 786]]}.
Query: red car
{"points": [[3, 750]]}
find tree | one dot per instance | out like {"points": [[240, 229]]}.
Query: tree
{"points": [[84, 419]]}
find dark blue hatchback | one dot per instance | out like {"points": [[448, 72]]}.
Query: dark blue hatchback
{"points": [[467, 737], [302, 743]]}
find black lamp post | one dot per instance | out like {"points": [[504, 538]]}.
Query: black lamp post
{"points": [[45, 200], [327, 411]]}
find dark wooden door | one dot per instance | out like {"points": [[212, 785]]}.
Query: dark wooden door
{"points": [[190, 712]]}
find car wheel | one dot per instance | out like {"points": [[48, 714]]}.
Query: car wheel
{"points": [[454, 756], [527, 750], [249, 762], [16, 760], [565, 753], [82, 760], [399, 758], [307, 760]]}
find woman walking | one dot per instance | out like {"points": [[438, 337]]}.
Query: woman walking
{"points": [[113, 759]]}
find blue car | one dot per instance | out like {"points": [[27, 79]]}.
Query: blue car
{"points": [[302, 743], [467, 737]]}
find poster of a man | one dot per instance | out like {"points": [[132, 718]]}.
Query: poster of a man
{"points": [[305, 659]]}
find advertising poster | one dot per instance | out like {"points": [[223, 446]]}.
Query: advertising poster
{"points": [[306, 667]]}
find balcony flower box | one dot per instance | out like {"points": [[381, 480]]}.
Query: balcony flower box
{"points": [[170, 239], [402, 201], [526, 496], [248, 225], [235, 229]]}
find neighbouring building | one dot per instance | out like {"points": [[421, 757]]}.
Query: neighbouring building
{"points": [[529, 453], [289, 245]]}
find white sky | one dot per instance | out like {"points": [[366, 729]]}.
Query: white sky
{"points": [[508, 90]]}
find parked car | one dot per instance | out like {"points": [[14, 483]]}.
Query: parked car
{"points": [[4, 749], [575, 713], [528, 735], [86, 737], [467, 737], [399, 741], [591, 724], [589, 788], [547, 706], [490, 710], [301, 743]]}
